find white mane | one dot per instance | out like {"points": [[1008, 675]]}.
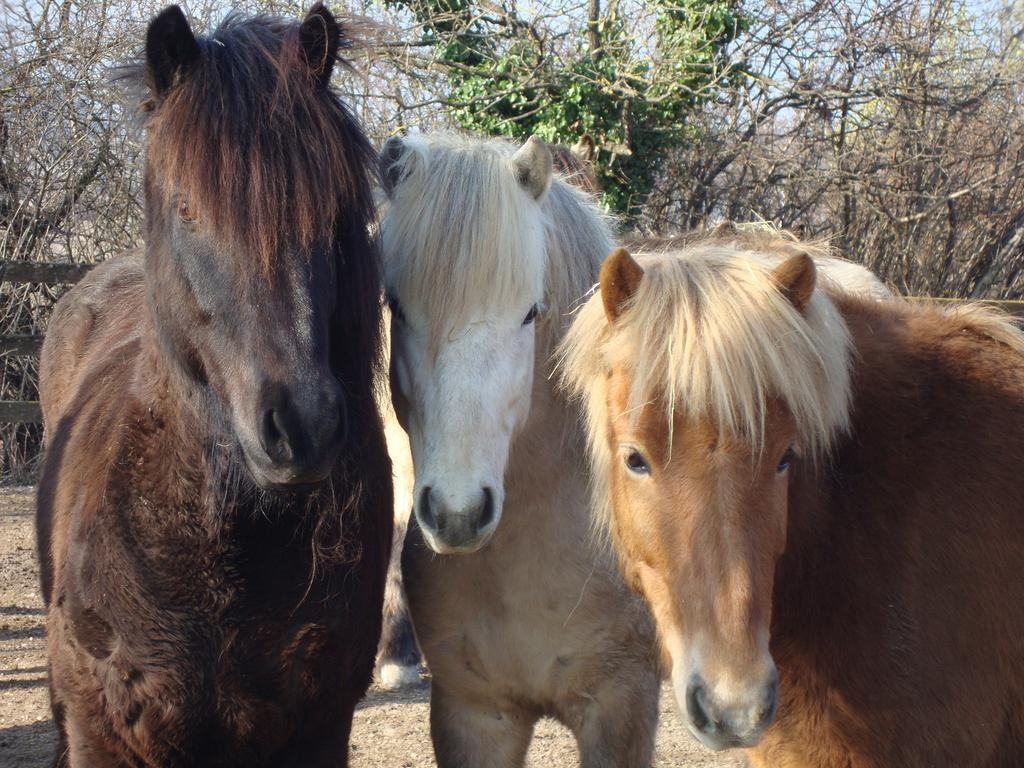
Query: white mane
{"points": [[462, 233], [709, 333]]}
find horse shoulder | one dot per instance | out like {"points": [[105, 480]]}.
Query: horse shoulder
{"points": [[90, 350], [85, 321]]}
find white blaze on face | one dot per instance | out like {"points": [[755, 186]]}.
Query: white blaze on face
{"points": [[462, 404]]}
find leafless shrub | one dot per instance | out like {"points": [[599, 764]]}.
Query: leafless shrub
{"points": [[891, 126]]}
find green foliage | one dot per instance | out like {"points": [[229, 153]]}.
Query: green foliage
{"points": [[632, 98]]}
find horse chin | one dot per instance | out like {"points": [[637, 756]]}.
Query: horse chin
{"points": [[442, 547], [285, 479], [719, 743]]}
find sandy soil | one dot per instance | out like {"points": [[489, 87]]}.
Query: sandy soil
{"points": [[390, 728]]}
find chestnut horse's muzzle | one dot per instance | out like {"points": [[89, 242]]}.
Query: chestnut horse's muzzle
{"points": [[726, 725]]}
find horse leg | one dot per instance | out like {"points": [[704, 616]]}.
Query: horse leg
{"points": [[465, 736], [616, 728], [60, 758], [86, 749], [62, 753], [326, 746], [399, 665]]}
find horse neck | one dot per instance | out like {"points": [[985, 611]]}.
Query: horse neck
{"points": [[547, 460], [550, 451], [171, 429], [578, 240], [848, 509], [162, 386], [183, 468]]}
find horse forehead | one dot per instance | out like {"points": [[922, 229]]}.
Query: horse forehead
{"points": [[451, 264], [662, 431], [647, 421], [477, 345], [435, 243]]}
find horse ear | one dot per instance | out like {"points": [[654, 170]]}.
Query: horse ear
{"points": [[724, 230], [795, 279], [585, 148], [391, 170], [533, 167], [620, 278], [171, 49], [319, 38]]}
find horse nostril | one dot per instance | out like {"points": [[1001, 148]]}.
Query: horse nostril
{"points": [[695, 708], [487, 513], [771, 702], [426, 514], [274, 436]]}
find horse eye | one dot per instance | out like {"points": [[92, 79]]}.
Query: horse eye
{"points": [[787, 459], [396, 309], [532, 314], [185, 212], [636, 463]]}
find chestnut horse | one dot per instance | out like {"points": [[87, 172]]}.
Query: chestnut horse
{"points": [[214, 514], [819, 494]]}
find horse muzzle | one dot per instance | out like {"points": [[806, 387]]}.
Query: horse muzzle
{"points": [[460, 526], [299, 432], [721, 723]]}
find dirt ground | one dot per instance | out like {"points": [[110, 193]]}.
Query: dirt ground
{"points": [[390, 729]]}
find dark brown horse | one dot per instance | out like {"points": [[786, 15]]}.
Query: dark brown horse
{"points": [[215, 506]]}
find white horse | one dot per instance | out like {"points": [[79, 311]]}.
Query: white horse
{"points": [[520, 614], [398, 660]]}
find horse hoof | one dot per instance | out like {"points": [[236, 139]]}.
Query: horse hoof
{"points": [[395, 676]]}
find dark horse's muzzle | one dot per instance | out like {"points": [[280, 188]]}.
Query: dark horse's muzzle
{"points": [[300, 427]]}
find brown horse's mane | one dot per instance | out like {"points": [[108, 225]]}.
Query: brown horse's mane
{"points": [[262, 156], [576, 170]]}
